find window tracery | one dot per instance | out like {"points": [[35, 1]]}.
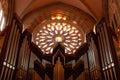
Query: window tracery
{"points": [[58, 32]]}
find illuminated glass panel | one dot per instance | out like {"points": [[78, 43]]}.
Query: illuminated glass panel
{"points": [[51, 34], [2, 23], [2, 19], [58, 39], [1, 14]]}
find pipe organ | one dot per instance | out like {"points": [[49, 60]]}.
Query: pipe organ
{"points": [[24, 56], [106, 52], [93, 59], [59, 51], [9, 58]]}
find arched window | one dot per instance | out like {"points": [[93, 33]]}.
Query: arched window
{"points": [[2, 18], [58, 32]]}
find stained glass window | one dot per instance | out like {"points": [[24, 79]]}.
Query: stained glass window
{"points": [[2, 19], [58, 32]]}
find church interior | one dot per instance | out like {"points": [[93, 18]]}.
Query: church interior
{"points": [[59, 39]]}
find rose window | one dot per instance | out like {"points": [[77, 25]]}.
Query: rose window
{"points": [[65, 34]]}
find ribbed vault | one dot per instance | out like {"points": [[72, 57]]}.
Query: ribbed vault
{"points": [[59, 22]]}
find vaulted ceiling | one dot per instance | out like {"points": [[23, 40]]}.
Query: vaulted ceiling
{"points": [[92, 7], [82, 15], [26, 8]]}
